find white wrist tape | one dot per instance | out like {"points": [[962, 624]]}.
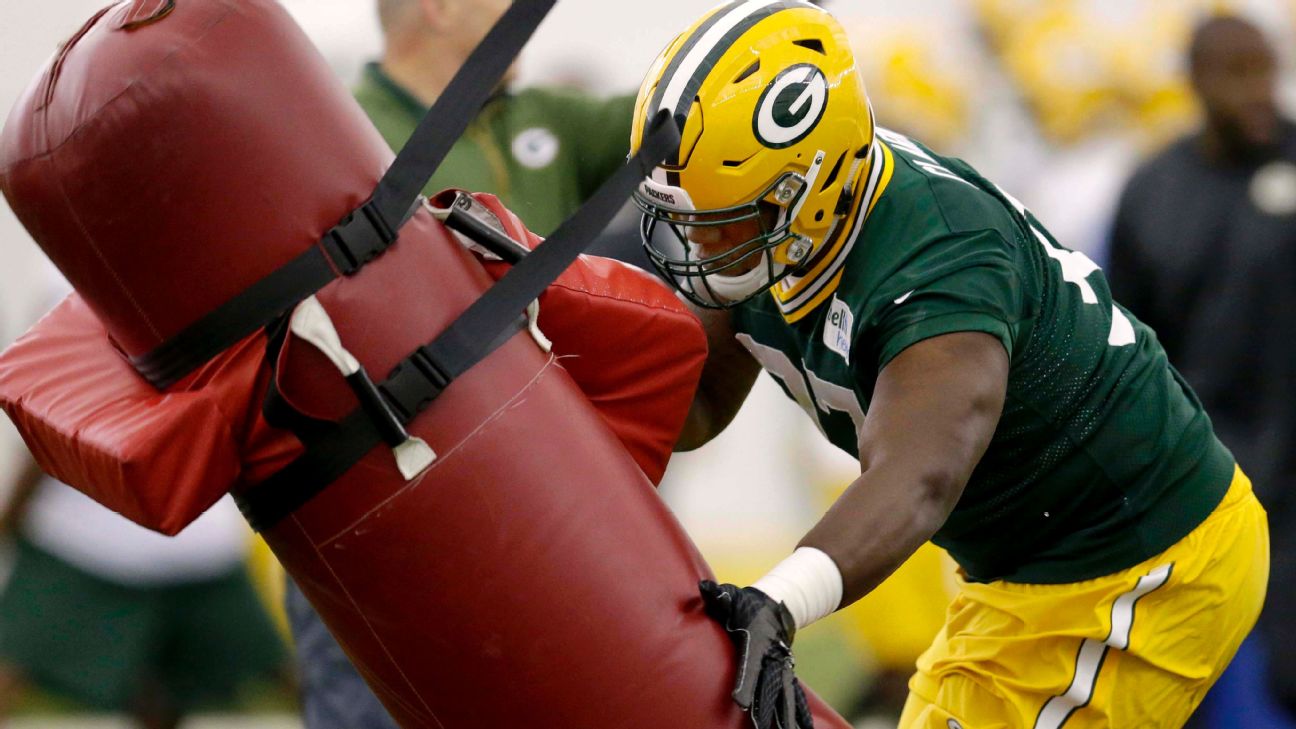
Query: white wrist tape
{"points": [[808, 582]]}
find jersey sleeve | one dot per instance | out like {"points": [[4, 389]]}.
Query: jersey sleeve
{"points": [[963, 283]]}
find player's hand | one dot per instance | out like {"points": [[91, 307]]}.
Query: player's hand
{"points": [[762, 631]]}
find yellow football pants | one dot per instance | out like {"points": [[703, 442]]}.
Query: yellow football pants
{"points": [[1131, 650]]}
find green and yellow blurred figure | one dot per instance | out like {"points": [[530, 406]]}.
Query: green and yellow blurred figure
{"points": [[1083, 72], [917, 78], [1057, 59]]}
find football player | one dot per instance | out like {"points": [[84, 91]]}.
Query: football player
{"points": [[1000, 403]]}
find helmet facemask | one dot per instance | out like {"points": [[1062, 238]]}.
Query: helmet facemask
{"points": [[730, 277]]}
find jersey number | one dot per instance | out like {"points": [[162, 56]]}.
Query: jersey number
{"points": [[1076, 266], [1076, 269], [819, 397]]}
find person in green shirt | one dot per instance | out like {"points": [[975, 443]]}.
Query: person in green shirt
{"points": [[542, 151], [1112, 555]]}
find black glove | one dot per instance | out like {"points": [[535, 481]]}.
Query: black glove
{"points": [[762, 631]]}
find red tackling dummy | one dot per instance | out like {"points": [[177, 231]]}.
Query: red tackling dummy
{"points": [[529, 575]]}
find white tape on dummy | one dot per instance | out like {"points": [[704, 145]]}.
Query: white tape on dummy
{"points": [[311, 323], [533, 326]]}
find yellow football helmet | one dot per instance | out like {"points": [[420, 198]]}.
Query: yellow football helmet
{"points": [[776, 129]]}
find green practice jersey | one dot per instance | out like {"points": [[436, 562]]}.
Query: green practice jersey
{"points": [[542, 151], [1103, 456]]}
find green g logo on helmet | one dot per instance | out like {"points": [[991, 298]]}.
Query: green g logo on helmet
{"points": [[791, 106]]}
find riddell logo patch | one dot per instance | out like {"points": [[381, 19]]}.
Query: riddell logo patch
{"points": [[665, 197]]}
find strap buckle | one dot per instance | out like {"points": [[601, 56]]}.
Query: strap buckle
{"points": [[414, 384], [359, 238]]}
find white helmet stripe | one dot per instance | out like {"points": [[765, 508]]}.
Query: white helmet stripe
{"points": [[673, 94]]}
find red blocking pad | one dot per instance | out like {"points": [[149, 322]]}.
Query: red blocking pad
{"points": [[170, 156]]}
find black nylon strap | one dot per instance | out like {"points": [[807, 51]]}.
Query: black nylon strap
{"points": [[484, 327], [464, 217], [330, 453], [465, 342], [328, 457], [256, 307], [366, 231], [458, 106]]}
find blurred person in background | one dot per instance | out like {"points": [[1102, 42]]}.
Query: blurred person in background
{"points": [[120, 619], [543, 151], [999, 402], [1203, 248], [1101, 84]]}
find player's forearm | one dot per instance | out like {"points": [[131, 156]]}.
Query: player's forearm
{"points": [[699, 426], [935, 409], [883, 518], [726, 380]]}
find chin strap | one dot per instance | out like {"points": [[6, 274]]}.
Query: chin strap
{"points": [[733, 288]]}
